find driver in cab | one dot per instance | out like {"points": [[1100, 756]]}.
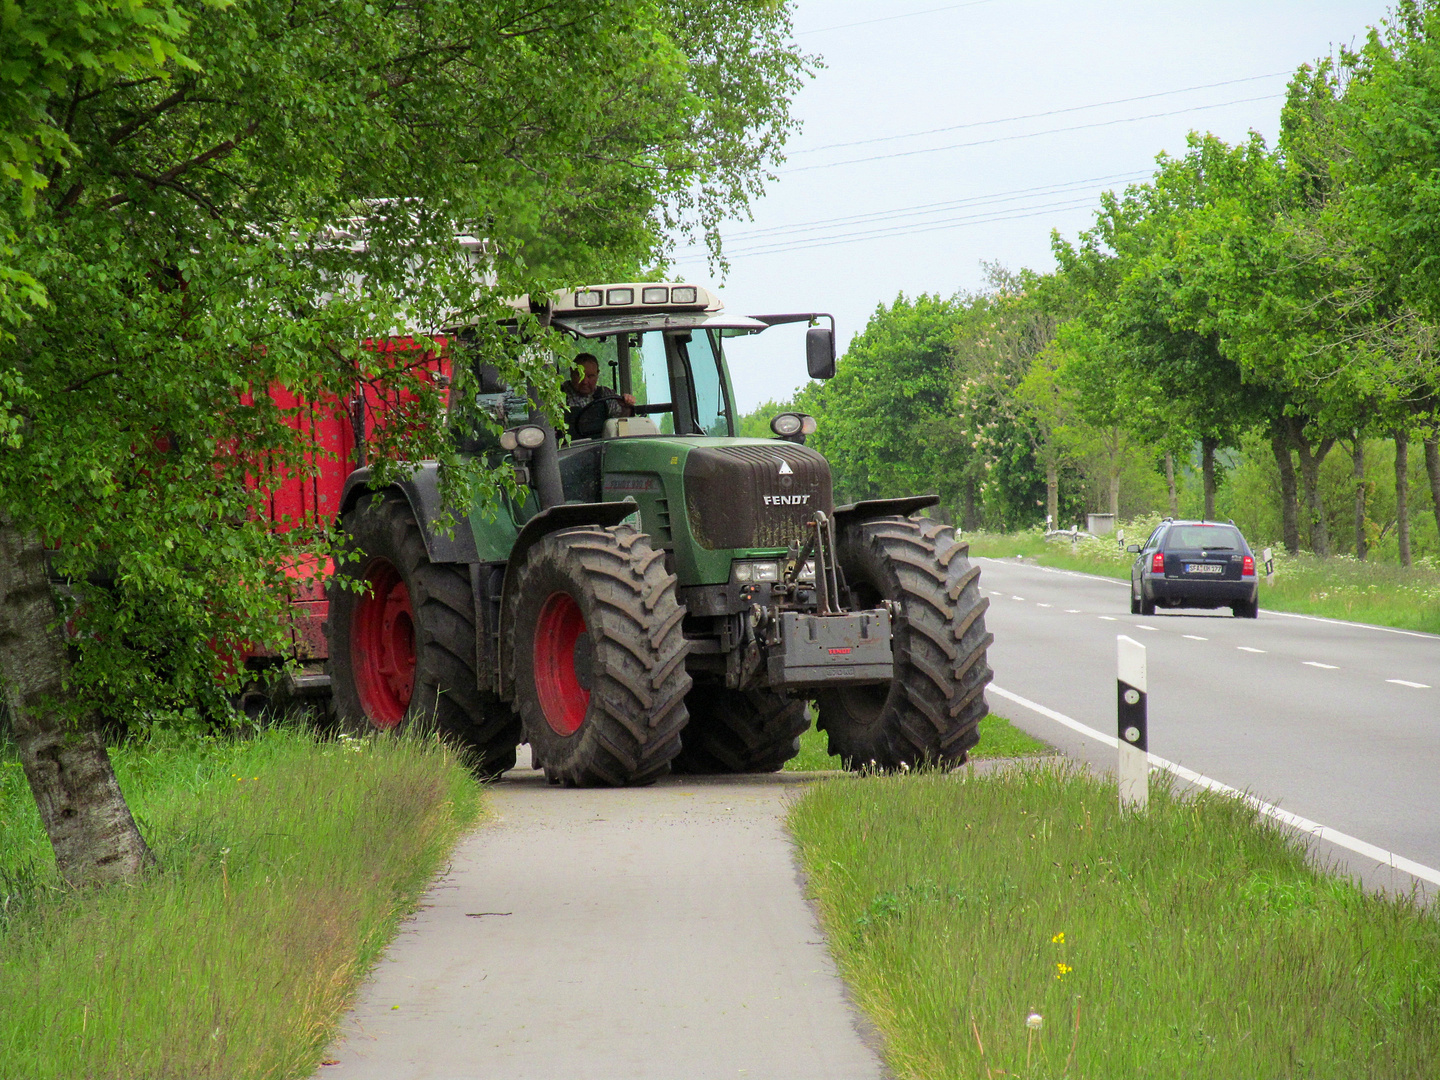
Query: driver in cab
{"points": [[583, 393]]}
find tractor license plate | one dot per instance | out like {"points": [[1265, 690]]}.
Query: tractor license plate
{"points": [[1203, 568]]}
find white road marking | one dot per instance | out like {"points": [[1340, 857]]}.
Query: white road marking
{"points": [[1316, 663], [1412, 685], [1108, 618], [1042, 605], [1195, 637], [1017, 598], [1322, 832], [1072, 611], [1346, 622], [1247, 648], [1142, 626]]}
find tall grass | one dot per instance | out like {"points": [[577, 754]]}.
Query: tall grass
{"points": [[998, 739], [285, 867], [1188, 941], [1336, 586]]}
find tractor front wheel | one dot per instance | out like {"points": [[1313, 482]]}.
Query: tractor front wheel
{"points": [[402, 646], [930, 711], [734, 731], [598, 658]]}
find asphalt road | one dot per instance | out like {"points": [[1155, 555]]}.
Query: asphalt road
{"points": [[634, 933], [1336, 722]]}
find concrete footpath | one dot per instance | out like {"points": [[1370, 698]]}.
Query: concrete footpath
{"points": [[649, 932]]}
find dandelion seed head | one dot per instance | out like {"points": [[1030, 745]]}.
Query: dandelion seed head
{"points": [[1033, 1021]]}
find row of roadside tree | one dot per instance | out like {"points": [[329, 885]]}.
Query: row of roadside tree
{"points": [[1206, 346]]}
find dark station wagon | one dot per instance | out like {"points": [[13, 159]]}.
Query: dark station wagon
{"points": [[1195, 564]]}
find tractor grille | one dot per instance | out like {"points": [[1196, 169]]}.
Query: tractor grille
{"points": [[754, 496]]}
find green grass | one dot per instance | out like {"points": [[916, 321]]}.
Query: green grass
{"points": [[998, 739], [1337, 587], [1189, 941], [286, 867]]}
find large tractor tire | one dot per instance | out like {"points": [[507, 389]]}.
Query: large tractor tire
{"points": [[402, 651], [733, 731], [930, 711], [598, 658]]}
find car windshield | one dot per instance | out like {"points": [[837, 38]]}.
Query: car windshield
{"points": [[1210, 537]]}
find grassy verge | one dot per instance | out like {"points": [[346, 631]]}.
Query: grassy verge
{"points": [[998, 739], [1190, 941], [287, 865], [1338, 587]]}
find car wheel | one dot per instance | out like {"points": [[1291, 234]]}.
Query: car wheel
{"points": [[1134, 602]]}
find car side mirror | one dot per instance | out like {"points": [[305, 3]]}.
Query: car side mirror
{"points": [[1133, 548], [820, 352]]}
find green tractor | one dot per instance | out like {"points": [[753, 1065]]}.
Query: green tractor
{"points": [[668, 597]]}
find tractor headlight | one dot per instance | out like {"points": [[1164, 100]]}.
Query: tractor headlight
{"points": [[746, 572], [789, 424], [529, 436], [786, 424]]}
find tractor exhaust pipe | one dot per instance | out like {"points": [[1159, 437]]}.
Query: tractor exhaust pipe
{"points": [[545, 465]]}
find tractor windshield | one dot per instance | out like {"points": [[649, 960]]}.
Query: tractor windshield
{"points": [[676, 377]]}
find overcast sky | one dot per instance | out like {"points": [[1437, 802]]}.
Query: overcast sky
{"points": [[940, 136]]}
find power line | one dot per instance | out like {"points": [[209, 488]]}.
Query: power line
{"points": [[875, 216], [903, 230], [1030, 135], [892, 18], [1039, 115]]}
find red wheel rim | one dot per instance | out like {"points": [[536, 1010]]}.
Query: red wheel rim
{"points": [[382, 647], [563, 699]]}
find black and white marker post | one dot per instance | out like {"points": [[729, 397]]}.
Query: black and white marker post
{"points": [[1134, 765]]}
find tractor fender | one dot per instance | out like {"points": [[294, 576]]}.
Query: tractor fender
{"points": [[563, 516], [868, 509], [421, 489]]}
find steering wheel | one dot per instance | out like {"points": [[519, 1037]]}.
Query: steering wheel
{"points": [[588, 421]]}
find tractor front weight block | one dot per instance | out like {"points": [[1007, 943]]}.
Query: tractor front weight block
{"points": [[830, 650]]}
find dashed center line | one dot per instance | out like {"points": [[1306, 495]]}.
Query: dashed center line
{"points": [[1042, 605], [1142, 626], [1017, 598], [1247, 648], [1072, 611], [1108, 618], [1316, 663], [1412, 685], [1195, 637]]}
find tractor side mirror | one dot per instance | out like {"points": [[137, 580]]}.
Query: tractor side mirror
{"points": [[820, 352]]}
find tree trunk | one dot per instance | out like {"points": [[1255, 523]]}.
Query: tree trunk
{"points": [[1310, 461], [1170, 483], [1207, 472], [1115, 494], [1289, 503], [95, 839], [1402, 495], [1432, 469], [1357, 456], [1052, 491]]}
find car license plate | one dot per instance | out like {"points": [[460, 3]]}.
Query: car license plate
{"points": [[1203, 568]]}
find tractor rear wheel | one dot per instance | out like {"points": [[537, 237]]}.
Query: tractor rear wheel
{"points": [[598, 659], [734, 731], [930, 711], [402, 650]]}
